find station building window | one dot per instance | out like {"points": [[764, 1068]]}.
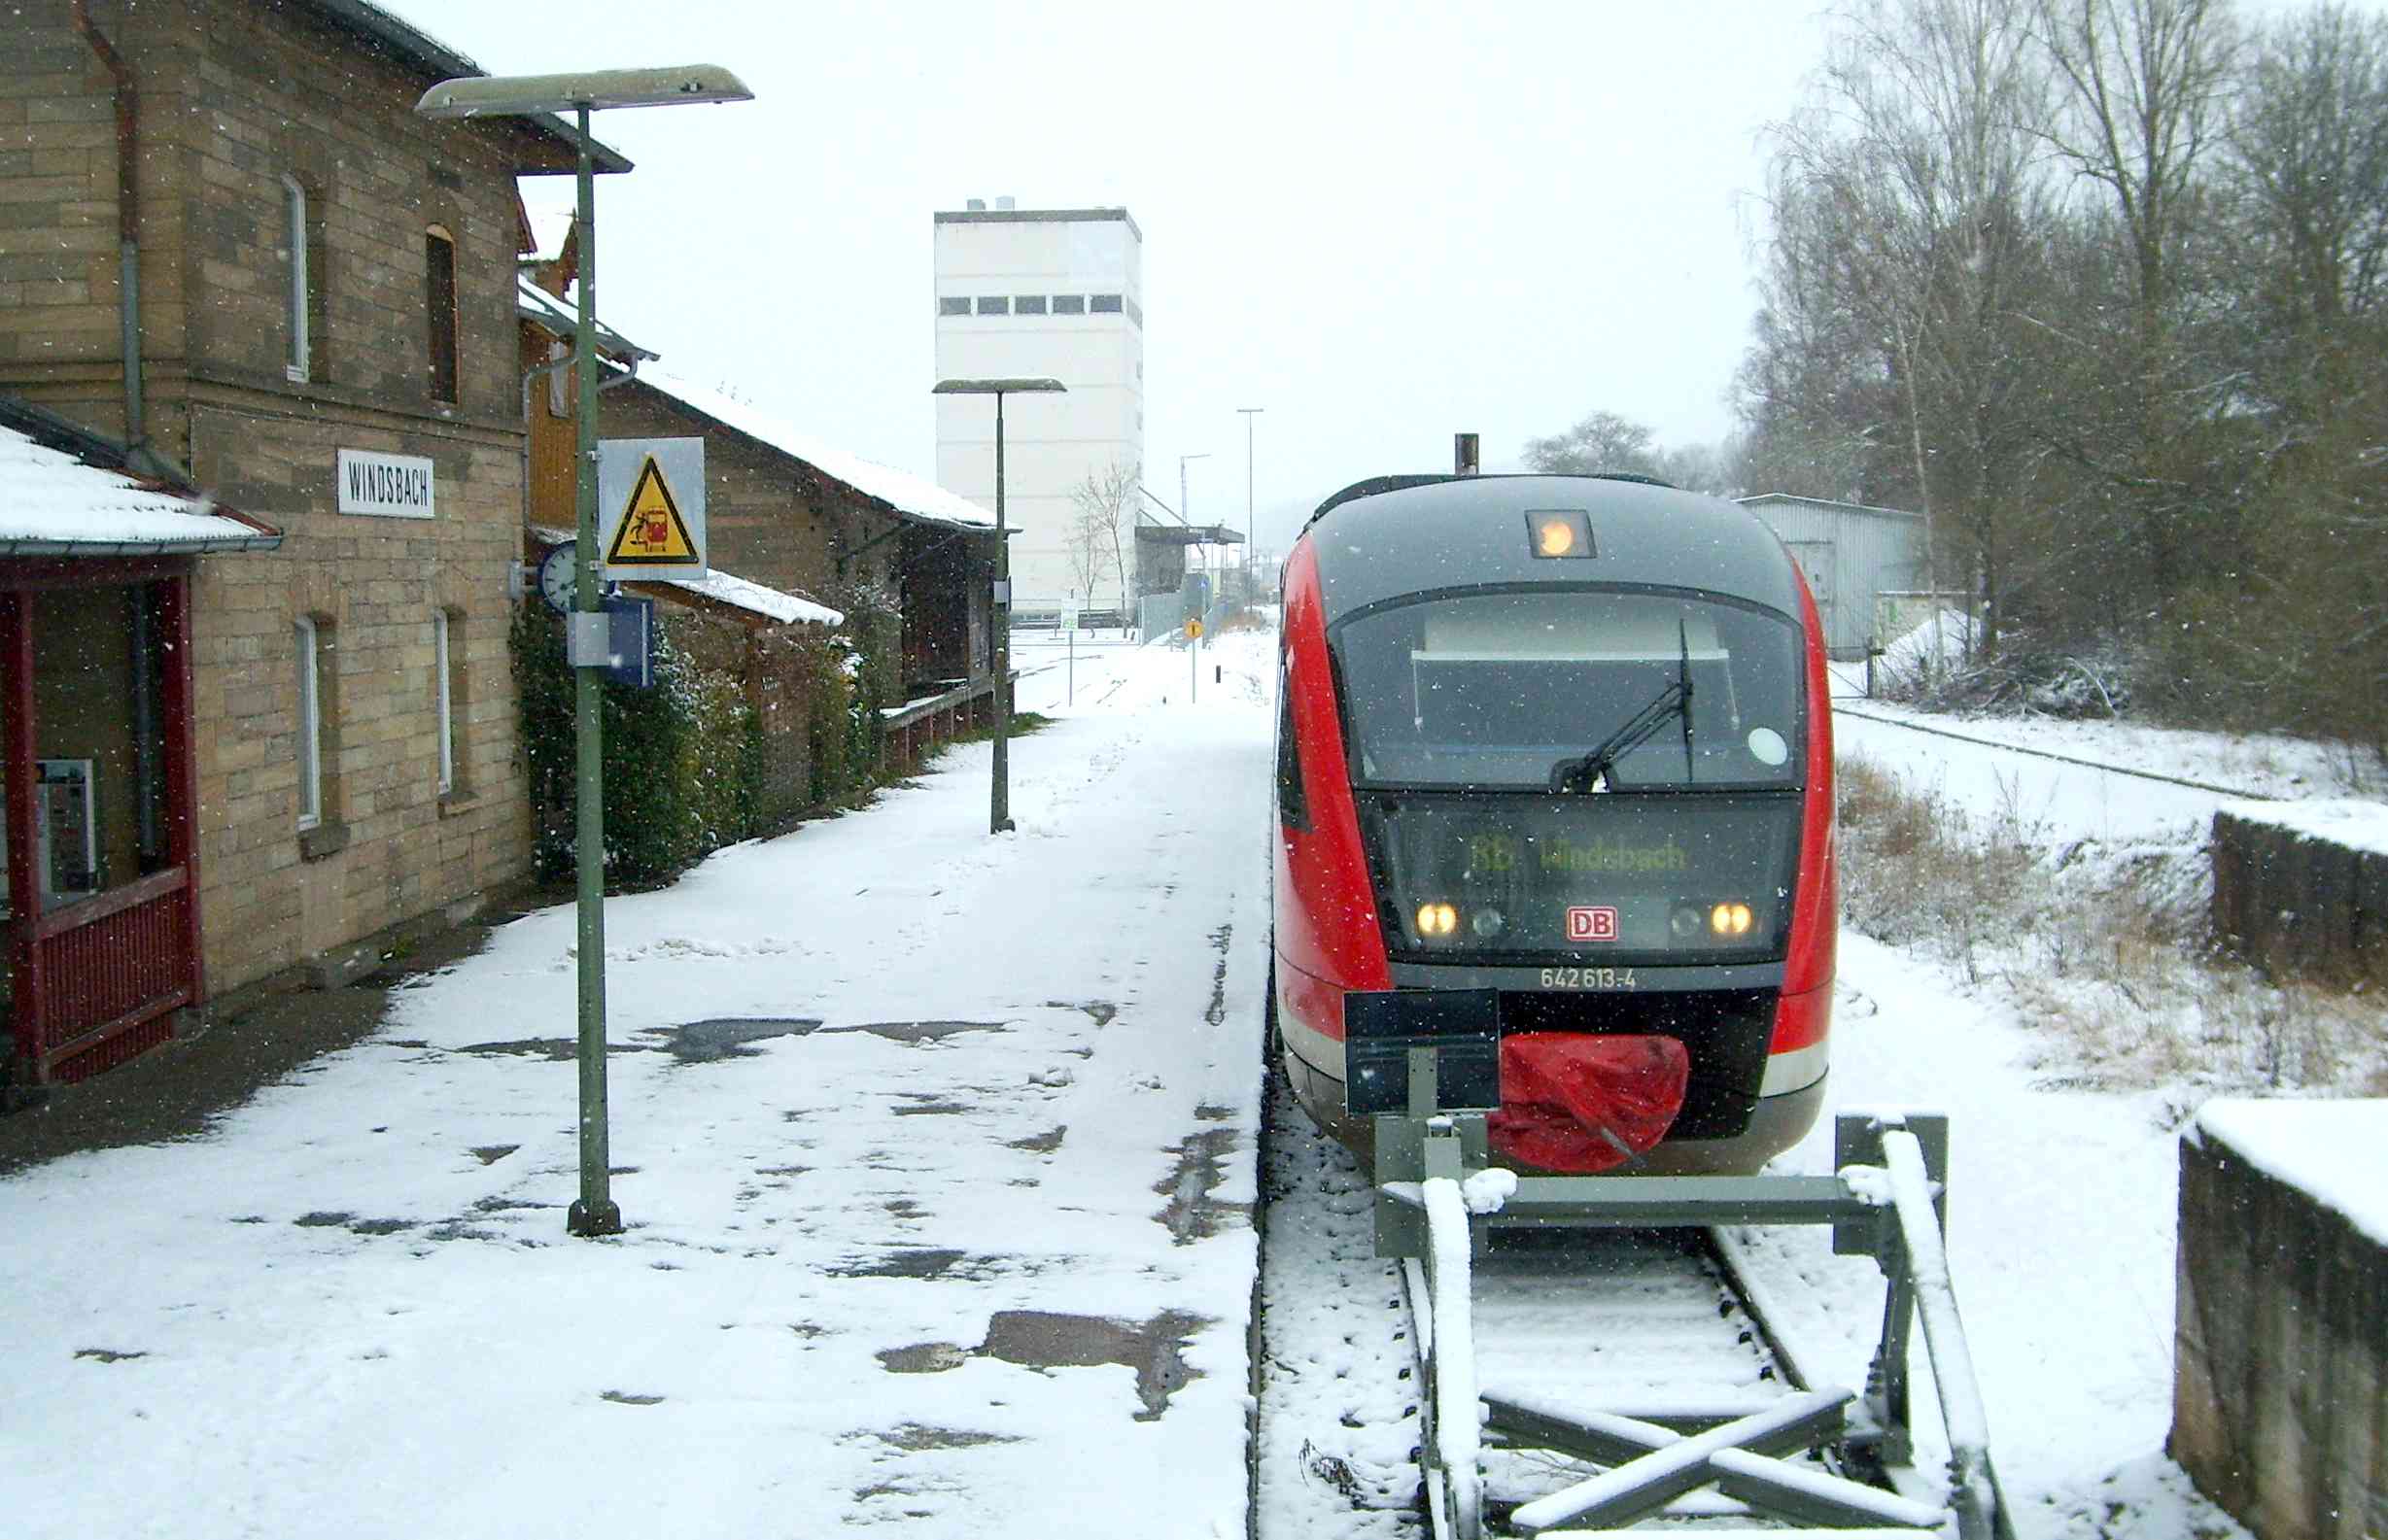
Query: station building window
{"points": [[994, 305], [439, 309], [447, 667], [1108, 304], [312, 648], [1029, 305], [1069, 304], [953, 305], [298, 303]]}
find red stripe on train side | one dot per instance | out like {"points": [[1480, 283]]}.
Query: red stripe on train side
{"points": [[1325, 920], [1805, 1014]]}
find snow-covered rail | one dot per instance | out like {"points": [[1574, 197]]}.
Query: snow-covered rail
{"points": [[1689, 1436]]}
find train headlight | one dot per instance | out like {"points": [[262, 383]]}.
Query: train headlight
{"points": [[1729, 919], [1685, 923], [1436, 919], [1487, 922]]}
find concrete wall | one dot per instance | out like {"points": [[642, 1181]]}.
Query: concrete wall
{"points": [[2298, 905], [2281, 1379]]}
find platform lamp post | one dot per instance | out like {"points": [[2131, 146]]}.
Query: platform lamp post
{"points": [[999, 793], [1250, 580], [594, 1212]]}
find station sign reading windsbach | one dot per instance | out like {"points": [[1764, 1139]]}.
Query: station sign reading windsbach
{"points": [[391, 486]]}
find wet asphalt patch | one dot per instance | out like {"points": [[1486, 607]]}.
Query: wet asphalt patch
{"points": [[1154, 1348], [1191, 1214], [108, 1355], [1044, 1144], [920, 1031], [918, 1437], [727, 1036], [908, 1262], [1044, 1340]]}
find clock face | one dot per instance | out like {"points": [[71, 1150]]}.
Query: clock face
{"points": [[558, 576]]}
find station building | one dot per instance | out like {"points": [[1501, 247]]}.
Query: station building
{"points": [[1055, 293], [258, 710]]}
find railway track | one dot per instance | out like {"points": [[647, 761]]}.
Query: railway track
{"points": [[1598, 1357], [1840, 708]]}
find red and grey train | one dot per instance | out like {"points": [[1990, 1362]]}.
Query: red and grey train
{"points": [[1563, 740]]}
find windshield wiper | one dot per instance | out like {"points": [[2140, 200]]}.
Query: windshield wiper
{"points": [[1595, 772]]}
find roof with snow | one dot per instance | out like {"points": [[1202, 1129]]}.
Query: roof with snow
{"points": [[1826, 502], [909, 495], [562, 316], [550, 228], [723, 588], [66, 492]]}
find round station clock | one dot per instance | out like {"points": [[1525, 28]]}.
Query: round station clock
{"points": [[559, 575]]}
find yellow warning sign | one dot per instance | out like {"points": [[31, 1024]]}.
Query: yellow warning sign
{"points": [[650, 532], [1194, 629]]}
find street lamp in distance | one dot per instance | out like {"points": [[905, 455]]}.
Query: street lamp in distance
{"points": [[594, 1211], [999, 794], [1249, 413]]}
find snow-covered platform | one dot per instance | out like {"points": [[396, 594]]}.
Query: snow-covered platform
{"points": [[935, 1149]]}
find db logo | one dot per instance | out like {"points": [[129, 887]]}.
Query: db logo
{"points": [[1592, 925]]}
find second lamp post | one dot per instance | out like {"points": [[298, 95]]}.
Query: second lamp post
{"points": [[999, 796]]}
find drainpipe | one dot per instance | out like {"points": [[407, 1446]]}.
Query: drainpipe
{"points": [[128, 244]]}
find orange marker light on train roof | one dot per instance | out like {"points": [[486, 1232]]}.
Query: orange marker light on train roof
{"points": [[1559, 532]]}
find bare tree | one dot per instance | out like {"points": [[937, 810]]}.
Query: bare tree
{"points": [[1904, 197], [1603, 441], [1104, 505]]}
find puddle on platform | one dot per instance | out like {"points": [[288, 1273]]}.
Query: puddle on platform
{"points": [[1037, 1339], [1154, 1350], [923, 1357], [627, 1398], [727, 1038], [108, 1355], [915, 1437], [1191, 1214], [920, 1031], [562, 1050], [919, 1262]]}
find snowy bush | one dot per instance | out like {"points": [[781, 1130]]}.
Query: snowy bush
{"points": [[2102, 949]]}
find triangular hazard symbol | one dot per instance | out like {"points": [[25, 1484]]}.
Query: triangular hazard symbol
{"points": [[650, 532]]}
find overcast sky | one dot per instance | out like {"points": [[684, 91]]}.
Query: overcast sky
{"points": [[1383, 223]]}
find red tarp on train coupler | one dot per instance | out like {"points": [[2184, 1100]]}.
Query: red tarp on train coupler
{"points": [[1577, 1104]]}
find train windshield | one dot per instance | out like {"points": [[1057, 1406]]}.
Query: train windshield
{"points": [[1515, 690]]}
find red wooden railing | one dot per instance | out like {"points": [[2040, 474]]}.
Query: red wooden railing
{"points": [[111, 970]]}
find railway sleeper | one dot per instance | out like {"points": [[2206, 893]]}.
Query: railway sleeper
{"points": [[1437, 1199]]}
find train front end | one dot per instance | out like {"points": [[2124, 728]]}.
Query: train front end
{"points": [[1563, 741]]}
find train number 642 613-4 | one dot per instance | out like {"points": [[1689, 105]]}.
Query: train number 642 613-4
{"points": [[1588, 978]]}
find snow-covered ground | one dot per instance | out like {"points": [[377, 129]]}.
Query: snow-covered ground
{"points": [[936, 1151]]}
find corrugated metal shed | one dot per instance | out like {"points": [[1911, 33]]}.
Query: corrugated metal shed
{"points": [[1851, 553]]}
